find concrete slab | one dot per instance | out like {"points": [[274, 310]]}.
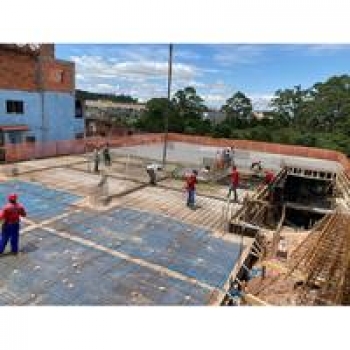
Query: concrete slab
{"points": [[209, 213], [75, 256], [135, 170], [40, 164], [40, 202], [184, 248], [78, 182], [194, 154], [62, 272]]}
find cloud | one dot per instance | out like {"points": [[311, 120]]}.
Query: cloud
{"points": [[227, 55], [260, 101], [322, 49], [314, 49], [99, 67], [106, 88], [214, 100]]}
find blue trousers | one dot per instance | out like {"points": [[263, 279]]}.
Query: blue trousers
{"points": [[190, 197], [10, 232]]}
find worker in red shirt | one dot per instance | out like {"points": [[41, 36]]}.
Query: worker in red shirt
{"points": [[190, 186], [269, 179], [10, 214], [234, 183]]}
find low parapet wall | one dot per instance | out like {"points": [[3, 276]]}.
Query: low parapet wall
{"points": [[28, 151]]}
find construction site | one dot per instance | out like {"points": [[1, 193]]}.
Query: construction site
{"points": [[111, 238]]}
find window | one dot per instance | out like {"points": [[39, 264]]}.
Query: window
{"points": [[78, 109], [30, 139], [14, 137], [58, 76], [15, 107]]}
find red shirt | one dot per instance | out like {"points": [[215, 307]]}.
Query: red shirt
{"points": [[191, 182], [235, 177], [11, 212], [269, 177]]}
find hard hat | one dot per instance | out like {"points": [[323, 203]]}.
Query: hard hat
{"points": [[12, 197]]}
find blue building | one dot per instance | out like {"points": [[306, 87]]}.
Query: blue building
{"points": [[37, 96]]}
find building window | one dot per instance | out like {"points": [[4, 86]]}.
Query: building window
{"points": [[15, 137], [78, 109], [16, 107], [30, 139], [58, 76]]}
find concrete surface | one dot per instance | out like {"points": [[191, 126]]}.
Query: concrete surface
{"points": [[77, 256], [194, 154]]}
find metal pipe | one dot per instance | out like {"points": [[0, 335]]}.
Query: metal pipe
{"points": [[166, 116]]}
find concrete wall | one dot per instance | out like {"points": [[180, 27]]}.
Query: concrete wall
{"points": [[60, 116], [59, 111]]}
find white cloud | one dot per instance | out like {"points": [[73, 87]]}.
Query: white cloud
{"points": [[98, 67], [227, 55], [322, 49], [260, 101], [143, 79], [101, 87], [314, 49]]}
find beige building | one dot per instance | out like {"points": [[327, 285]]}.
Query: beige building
{"points": [[102, 117]]}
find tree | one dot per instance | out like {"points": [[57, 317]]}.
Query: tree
{"points": [[188, 103], [287, 104], [238, 108], [153, 117], [331, 102]]}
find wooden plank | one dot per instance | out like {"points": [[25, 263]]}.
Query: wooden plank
{"points": [[251, 299]]}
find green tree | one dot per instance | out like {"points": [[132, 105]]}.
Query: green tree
{"points": [[188, 103], [238, 109], [153, 118], [287, 104], [331, 103]]}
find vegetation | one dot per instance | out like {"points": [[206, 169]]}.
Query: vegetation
{"points": [[318, 116]]}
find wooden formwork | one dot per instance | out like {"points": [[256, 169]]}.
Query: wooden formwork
{"points": [[256, 209], [324, 260]]}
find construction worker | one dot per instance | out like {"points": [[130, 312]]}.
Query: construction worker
{"points": [[96, 159], [227, 157], [218, 159], [152, 172], [10, 214], [232, 155], [269, 179], [234, 183], [256, 166], [191, 182], [106, 155]]}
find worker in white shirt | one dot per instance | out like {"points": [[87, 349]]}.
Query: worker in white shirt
{"points": [[152, 172]]}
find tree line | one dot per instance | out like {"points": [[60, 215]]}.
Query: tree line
{"points": [[318, 116]]}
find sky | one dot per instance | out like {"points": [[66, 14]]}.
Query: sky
{"points": [[216, 71]]}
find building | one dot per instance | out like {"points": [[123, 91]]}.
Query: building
{"points": [[262, 114], [215, 116], [37, 95], [104, 116]]}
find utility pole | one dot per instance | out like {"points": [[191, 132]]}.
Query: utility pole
{"points": [[166, 116]]}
